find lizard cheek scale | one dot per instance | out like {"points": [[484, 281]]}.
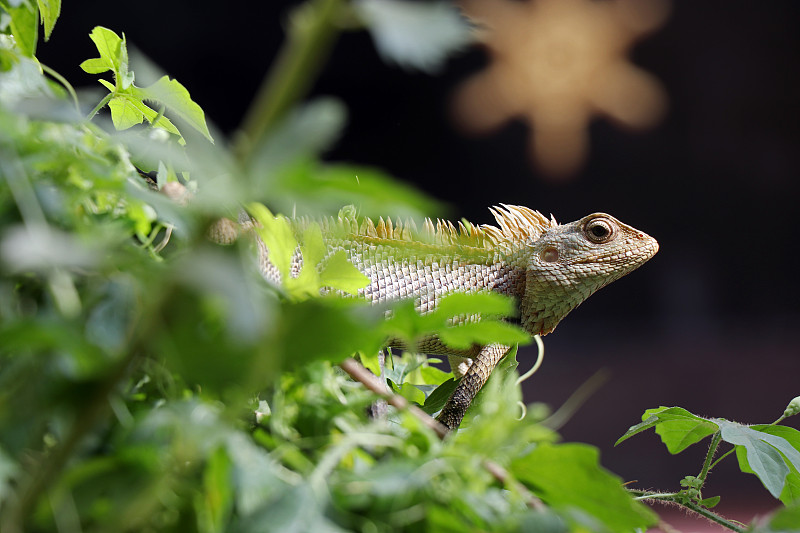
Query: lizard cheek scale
{"points": [[549, 268]]}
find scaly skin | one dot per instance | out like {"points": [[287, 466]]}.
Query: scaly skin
{"points": [[548, 268]]}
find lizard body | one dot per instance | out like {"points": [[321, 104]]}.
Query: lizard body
{"points": [[548, 268]]}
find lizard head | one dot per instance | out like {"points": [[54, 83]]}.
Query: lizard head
{"points": [[569, 262]]}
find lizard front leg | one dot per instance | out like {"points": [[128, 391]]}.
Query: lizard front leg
{"points": [[470, 384]]}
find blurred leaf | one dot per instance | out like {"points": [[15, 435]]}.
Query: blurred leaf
{"points": [[339, 273], [417, 35], [8, 471], [309, 187], [25, 26], [483, 303], [296, 510], [277, 235], [40, 249], [787, 519], [214, 509], [329, 329], [463, 336], [677, 427], [569, 476], [307, 131]]}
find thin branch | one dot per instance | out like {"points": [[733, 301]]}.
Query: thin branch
{"points": [[373, 383], [502, 475], [678, 499], [712, 450]]}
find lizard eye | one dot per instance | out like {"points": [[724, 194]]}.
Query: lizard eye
{"points": [[599, 230]]}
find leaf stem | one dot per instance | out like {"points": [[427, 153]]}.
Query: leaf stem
{"points": [[100, 106], [712, 450], [721, 457], [63, 81], [678, 498], [312, 29]]}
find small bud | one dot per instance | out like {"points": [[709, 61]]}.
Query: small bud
{"points": [[793, 408], [176, 192]]}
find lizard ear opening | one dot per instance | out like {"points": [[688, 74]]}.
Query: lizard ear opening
{"points": [[549, 254]]}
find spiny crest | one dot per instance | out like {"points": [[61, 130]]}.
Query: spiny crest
{"points": [[518, 225]]}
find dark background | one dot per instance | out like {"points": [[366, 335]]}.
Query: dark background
{"points": [[709, 324]]}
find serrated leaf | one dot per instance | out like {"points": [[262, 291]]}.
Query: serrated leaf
{"points": [[277, 236], [339, 273], [414, 34], [767, 456], [176, 98], [108, 44], [49, 11], [569, 476], [677, 427]]}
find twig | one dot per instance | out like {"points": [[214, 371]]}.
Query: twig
{"points": [[373, 383], [502, 475], [678, 499], [370, 381]]}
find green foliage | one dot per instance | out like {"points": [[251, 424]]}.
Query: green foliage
{"points": [[127, 102], [151, 380], [770, 451]]}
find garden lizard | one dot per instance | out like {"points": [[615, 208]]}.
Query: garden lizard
{"points": [[548, 268]]}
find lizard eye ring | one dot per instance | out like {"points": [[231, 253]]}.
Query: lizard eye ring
{"points": [[599, 230]]}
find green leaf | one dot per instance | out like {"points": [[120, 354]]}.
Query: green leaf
{"points": [[769, 456], [570, 476], [786, 519], [677, 427], [438, 398], [484, 332], [339, 273], [25, 27], [277, 235], [326, 328], [483, 303], [109, 44], [412, 393], [177, 100], [710, 503], [49, 11], [95, 65], [125, 113], [216, 504]]}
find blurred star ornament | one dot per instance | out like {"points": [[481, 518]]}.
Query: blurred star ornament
{"points": [[557, 64]]}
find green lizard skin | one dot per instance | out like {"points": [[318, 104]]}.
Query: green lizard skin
{"points": [[549, 269]]}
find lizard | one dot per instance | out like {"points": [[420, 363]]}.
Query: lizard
{"points": [[548, 268]]}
